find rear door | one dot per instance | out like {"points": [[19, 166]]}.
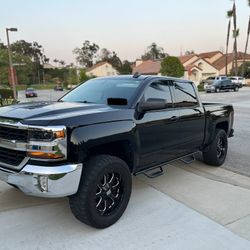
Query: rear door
{"points": [[191, 117]]}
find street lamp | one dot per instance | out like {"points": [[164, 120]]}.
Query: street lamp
{"points": [[12, 78]]}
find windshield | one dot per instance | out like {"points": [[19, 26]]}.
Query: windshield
{"points": [[99, 90]]}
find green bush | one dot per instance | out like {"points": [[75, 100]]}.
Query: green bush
{"points": [[6, 94], [201, 86]]}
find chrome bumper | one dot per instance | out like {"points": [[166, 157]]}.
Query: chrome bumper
{"points": [[42, 181]]}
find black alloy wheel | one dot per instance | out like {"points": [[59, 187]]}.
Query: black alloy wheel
{"points": [[104, 191], [109, 192], [216, 153]]}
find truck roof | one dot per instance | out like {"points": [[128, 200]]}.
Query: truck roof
{"points": [[144, 77]]}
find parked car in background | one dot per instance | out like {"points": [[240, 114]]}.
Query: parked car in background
{"points": [[209, 80], [71, 86], [238, 80], [220, 83], [30, 92], [58, 88]]}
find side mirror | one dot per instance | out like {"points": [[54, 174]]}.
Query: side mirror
{"points": [[152, 104]]}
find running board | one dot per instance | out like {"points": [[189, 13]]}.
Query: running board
{"points": [[150, 173], [153, 174], [188, 159]]}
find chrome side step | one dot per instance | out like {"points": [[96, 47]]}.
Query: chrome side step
{"points": [[157, 170], [153, 173]]}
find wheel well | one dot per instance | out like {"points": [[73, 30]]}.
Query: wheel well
{"points": [[223, 125], [121, 149]]}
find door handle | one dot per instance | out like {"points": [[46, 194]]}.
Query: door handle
{"points": [[173, 118]]}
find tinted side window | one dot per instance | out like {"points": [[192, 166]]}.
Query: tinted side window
{"points": [[159, 90], [184, 95]]}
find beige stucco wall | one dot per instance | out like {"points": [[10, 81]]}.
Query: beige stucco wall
{"points": [[223, 70], [207, 69], [103, 70]]}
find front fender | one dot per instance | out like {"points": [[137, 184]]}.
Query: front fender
{"points": [[86, 137]]}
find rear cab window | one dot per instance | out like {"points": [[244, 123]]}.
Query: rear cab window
{"points": [[185, 95]]}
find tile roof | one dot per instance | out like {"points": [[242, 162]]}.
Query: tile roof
{"points": [[205, 60], [209, 54], [221, 62], [148, 67], [184, 59]]}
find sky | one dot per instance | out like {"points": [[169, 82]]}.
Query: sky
{"points": [[124, 26]]}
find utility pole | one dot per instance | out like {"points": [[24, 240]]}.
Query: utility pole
{"points": [[12, 77]]}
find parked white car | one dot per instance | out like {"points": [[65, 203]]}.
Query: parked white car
{"points": [[238, 80]]}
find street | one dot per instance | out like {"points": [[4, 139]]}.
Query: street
{"points": [[238, 153]]}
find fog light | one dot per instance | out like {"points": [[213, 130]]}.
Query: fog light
{"points": [[43, 183]]}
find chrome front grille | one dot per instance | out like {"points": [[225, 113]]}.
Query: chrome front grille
{"points": [[16, 134], [12, 138], [11, 157]]}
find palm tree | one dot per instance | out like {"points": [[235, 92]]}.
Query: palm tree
{"points": [[245, 52], [155, 51], [56, 61], [235, 36], [62, 63], [229, 15]]}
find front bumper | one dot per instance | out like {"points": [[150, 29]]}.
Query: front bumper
{"points": [[209, 88], [43, 181]]}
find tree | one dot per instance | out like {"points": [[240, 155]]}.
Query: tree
{"points": [[246, 46], [235, 36], [154, 52], [32, 50], [104, 55], [35, 52], [246, 67], [229, 15], [171, 66], [86, 54], [189, 52], [83, 76], [126, 68], [62, 63], [23, 66]]}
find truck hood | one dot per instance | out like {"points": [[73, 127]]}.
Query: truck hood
{"points": [[63, 113]]}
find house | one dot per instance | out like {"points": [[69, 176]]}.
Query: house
{"points": [[211, 56], [221, 65], [102, 69], [197, 66], [148, 67]]}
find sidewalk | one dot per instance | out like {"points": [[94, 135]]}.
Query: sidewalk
{"points": [[217, 193], [190, 207]]}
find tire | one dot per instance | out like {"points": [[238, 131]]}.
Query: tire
{"points": [[217, 152], [217, 90], [103, 193], [236, 89]]}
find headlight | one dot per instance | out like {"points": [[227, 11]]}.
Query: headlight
{"points": [[48, 143], [45, 135]]}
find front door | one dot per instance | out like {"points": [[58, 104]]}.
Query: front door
{"points": [[157, 128]]}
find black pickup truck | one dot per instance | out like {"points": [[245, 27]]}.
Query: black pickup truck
{"points": [[88, 144]]}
